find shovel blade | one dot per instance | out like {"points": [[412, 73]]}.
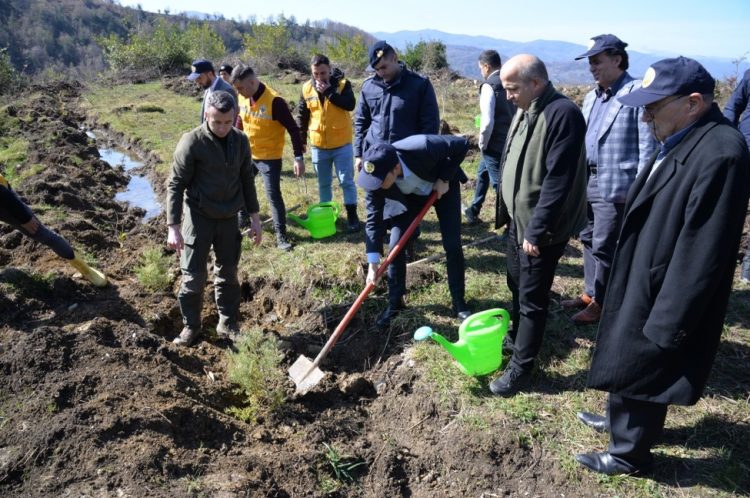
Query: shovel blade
{"points": [[304, 376]]}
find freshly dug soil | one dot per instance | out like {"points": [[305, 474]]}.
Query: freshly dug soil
{"points": [[96, 400]]}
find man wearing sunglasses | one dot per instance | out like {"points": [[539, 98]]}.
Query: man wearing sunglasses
{"points": [[667, 295]]}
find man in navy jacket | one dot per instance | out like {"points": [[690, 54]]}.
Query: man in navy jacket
{"points": [[394, 104], [406, 173]]}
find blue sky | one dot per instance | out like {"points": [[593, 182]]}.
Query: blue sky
{"points": [[719, 28]]}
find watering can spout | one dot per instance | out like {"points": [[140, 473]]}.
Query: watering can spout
{"points": [[302, 221], [457, 350]]}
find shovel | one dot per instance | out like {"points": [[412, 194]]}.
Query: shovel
{"points": [[305, 373]]}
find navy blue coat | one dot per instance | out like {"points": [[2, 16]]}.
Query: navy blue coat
{"points": [[736, 109], [429, 157], [388, 112]]}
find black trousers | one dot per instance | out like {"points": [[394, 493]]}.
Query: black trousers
{"points": [[529, 279], [448, 210], [635, 426]]}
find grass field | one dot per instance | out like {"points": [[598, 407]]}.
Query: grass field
{"points": [[710, 440]]}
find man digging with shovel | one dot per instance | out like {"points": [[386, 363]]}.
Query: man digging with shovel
{"points": [[408, 172], [212, 175]]}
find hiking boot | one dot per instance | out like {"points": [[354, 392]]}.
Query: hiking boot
{"points": [[589, 315], [282, 242], [354, 224], [471, 216], [579, 302], [93, 275], [229, 331], [187, 337], [512, 381], [384, 319]]}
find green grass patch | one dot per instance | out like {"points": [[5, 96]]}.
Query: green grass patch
{"points": [[153, 270], [255, 368]]}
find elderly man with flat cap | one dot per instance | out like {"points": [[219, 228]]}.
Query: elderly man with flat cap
{"points": [[672, 273], [405, 174], [618, 146]]}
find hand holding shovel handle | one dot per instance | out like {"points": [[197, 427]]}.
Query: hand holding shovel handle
{"points": [[295, 370]]}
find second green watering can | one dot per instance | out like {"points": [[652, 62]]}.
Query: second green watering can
{"points": [[321, 219], [480, 341]]}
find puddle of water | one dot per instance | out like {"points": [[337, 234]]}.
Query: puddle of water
{"points": [[140, 194], [117, 158]]}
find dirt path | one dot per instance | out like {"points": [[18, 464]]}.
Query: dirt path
{"points": [[96, 401]]}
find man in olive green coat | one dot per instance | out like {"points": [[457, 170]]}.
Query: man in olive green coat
{"points": [[212, 175]]}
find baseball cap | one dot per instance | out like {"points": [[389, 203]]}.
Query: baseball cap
{"points": [[379, 49], [674, 76], [199, 67], [377, 161], [600, 43], [226, 68]]}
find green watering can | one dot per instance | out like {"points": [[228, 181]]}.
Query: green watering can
{"points": [[321, 219], [480, 341]]}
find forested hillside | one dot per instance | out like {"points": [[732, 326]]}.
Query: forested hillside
{"points": [[69, 35]]}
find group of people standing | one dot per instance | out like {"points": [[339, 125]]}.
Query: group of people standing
{"points": [[650, 176]]}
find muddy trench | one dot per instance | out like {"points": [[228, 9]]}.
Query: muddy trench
{"points": [[96, 400]]}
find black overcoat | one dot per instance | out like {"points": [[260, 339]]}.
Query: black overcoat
{"points": [[664, 308]]}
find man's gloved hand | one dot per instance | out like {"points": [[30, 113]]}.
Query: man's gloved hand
{"points": [[371, 271]]}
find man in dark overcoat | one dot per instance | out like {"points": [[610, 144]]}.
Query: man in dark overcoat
{"points": [[672, 273]]}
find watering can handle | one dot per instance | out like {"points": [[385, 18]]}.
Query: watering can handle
{"points": [[335, 209], [370, 286]]}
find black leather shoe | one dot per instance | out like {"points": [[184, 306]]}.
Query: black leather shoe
{"points": [[384, 319], [510, 382], [463, 315], [596, 422], [604, 463]]}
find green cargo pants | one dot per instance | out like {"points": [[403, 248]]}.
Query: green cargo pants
{"points": [[200, 235]]}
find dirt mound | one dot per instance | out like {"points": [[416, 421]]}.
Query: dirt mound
{"points": [[96, 400]]}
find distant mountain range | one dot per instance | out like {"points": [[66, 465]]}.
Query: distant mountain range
{"points": [[463, 51]]}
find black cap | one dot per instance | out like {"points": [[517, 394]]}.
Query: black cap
{"points": [[226, 68], [378, 50], [600, 43], [200, 66], [675, 76], [377, 161]]}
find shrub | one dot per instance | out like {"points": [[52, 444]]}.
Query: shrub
{"points": [[163, 48], [153, 270], [425, 56], [255, 369], [348, 52]]}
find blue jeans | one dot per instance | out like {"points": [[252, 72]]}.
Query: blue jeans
{"points": [[488, 175], [343, 158]]}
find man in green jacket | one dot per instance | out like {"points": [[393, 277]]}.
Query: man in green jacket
{"points": [[212, 176], [543, 192]]}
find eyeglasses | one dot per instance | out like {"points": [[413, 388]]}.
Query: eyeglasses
{"points": [[651, 112]]}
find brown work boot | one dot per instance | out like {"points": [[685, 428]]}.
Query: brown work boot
{"points": [[579, 302], [589, 315]]}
